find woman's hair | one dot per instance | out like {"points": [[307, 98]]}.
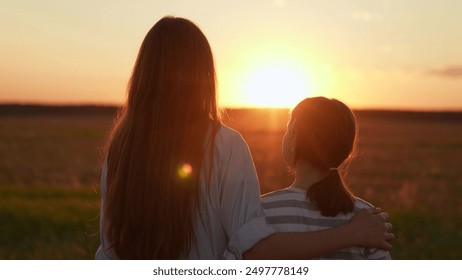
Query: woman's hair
{"points": [[325, 131], [158, 144]]}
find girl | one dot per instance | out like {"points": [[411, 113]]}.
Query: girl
{"points": [[320, 137], [177, 183]]}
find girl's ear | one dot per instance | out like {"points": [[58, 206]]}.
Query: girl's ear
{"points": [[288, 144], [291, 133], [291, 127]]}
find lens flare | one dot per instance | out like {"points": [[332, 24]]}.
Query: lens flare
{"points": [[185, 171]]}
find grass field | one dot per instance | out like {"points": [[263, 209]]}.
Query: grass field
{"points": [[407, 163]]}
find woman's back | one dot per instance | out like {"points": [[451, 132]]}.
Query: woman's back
{"points": [[231, 219]]}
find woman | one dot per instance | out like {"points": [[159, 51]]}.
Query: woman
{"points": [[179, 184]]}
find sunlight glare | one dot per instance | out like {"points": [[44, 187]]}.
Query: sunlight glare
{"points": [[277, 86]]}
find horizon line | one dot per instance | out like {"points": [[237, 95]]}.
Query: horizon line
{"points": [[243, 107]]}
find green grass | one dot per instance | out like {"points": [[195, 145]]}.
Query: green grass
{"points": [[426, 236], [56, 223], [48, 223]]}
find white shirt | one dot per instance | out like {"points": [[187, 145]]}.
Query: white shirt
{"points": [[232, 217]]}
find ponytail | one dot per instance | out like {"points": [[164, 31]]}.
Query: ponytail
{"points": [[331, 196], [325, 133]]}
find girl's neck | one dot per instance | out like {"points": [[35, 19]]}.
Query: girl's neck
{"points": [[306, 176]]}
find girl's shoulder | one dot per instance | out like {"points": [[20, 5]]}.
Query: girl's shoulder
{"points": [[288, 193], [362, 204]]}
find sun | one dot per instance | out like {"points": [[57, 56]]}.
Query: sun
{"points": [[276, 85]]}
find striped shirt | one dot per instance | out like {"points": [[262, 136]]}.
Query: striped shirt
{"points": [[288, 210]]}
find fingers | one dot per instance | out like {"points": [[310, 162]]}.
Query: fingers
{"points": [[389, 236], [384, 216], [388, 227], [387, 246], [372, 210], [375, 210]]}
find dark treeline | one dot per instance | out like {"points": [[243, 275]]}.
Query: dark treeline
{"points": [[18, 110], [448, 116]]}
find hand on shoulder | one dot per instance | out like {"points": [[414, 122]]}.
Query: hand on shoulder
{"points": [[370, 228]]}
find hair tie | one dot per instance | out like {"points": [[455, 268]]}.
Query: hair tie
{"points": [[333, 169]]}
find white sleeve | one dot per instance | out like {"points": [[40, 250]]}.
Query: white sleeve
{"points": [[102, 253], [240, 209]]}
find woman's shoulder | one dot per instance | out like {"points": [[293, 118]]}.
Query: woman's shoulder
{"points": [[228, 136], [227, 132]]}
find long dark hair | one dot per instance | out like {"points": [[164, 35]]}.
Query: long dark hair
{"points": [[158, 143], [325, 131]]}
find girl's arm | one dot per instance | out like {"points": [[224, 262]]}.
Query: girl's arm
{"points": [[365, 229]]}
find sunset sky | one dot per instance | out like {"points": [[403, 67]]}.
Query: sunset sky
{"points": [[404, 54]]}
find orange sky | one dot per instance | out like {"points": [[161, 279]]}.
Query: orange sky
{"points": [[379, 54]]}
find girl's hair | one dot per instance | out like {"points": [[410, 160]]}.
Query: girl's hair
{"points": [[158, 144], [325, 131]]}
